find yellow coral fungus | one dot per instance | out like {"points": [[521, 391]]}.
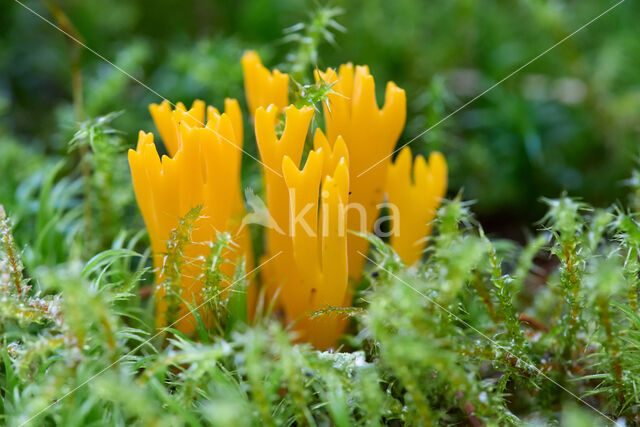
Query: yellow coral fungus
{"points": [[414, 200], [272, 149], [309, 210], [204, 171], [306, 283], [319, 242], [263, 87], [371, 134]]}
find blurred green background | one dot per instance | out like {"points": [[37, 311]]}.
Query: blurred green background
{"points": [[569, 121]]}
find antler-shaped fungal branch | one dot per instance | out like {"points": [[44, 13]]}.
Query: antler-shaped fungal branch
{"points": [[414, 200], [203, 172], [370, 133], [167, 120], [280, 273], [263, 87], [319, 243]]}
